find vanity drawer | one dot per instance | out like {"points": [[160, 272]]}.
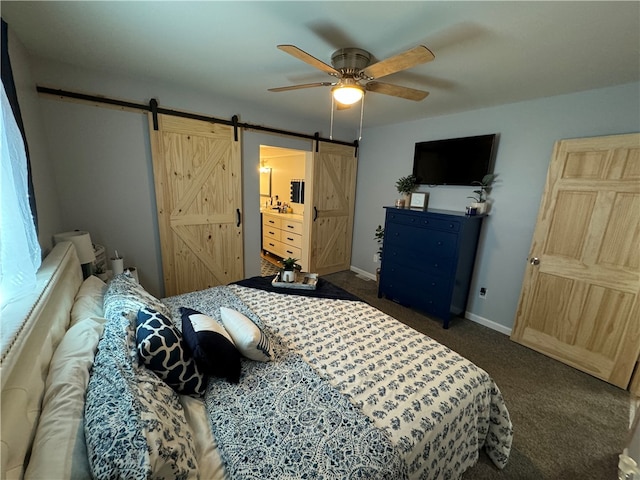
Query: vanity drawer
{"points": [[289, 251], [271, 221], [291, 226], [270, 232], [273, 246], [291, 239]]}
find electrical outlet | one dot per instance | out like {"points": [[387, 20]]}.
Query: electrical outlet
{"points": [[483, 293], [376, 257]]}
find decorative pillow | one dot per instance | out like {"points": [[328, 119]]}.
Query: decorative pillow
{"points": [[249, 339], [210, 345], [161, 349]]}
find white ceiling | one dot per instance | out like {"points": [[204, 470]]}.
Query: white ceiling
{"points": [[486, 53]]}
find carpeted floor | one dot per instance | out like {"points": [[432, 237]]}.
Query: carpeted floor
{"points": [[567, 424]]}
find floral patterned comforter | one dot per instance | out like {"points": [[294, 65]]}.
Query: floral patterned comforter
{"points": [[352, 393]]}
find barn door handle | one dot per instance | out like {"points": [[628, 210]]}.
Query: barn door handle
{"points": [[239, 216], [315, 213], [534, 261]]}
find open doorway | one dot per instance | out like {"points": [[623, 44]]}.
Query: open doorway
{"points": [[282, 207]]}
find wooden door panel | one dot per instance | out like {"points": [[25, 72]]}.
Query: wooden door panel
{"points": [[334, 178], [580, 303], [198, 192]]}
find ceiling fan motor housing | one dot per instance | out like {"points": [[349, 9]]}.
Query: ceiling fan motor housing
{"points": [[350, 61]]}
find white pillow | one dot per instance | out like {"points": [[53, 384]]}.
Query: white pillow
{"points": [[249, 339], [59, 448], [89, 300]]}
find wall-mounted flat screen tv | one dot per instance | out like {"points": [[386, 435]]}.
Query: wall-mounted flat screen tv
{"points": [[455, 161]]}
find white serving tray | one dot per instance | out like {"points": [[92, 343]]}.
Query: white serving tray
{"points": [[304, 281]]}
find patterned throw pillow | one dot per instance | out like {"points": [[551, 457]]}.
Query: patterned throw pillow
{"points": [[161, 349], [249, 339], [211, 346]]}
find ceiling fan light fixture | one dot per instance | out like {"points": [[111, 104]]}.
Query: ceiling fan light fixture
{"points": [[347, 94]]}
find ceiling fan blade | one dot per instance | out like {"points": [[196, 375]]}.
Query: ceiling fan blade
{"points": [[305, 57], [402, 61], [305, 85], [396, 91]]}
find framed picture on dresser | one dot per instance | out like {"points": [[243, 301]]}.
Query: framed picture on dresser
{"points": [[419, 200]]}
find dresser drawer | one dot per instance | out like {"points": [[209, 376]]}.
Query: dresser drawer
{"points": [[422, 262], [271, 221], [452, 225], [433, 242], [291, 239], [409, 287], [291, 226]]}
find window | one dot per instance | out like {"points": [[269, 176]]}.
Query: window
{"points": [[20, 255]]}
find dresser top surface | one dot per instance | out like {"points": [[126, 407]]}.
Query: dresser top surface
{"points": [[432, 211]]}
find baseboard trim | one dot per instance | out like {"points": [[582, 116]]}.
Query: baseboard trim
{"points": [[363, 273], [488, 323]]}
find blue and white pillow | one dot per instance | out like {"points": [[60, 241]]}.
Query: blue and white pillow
{"points": [[161, 349], [248, 337], [211, 346]]}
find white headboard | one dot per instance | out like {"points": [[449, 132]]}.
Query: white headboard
{"points": [[24, 367]]}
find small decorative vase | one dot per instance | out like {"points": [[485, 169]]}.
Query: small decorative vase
{"points": [[288, 276], [400, 203]]}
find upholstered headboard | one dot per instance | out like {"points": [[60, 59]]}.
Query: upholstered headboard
{"points": [[25, 364]]}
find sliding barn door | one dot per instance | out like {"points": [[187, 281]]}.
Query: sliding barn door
{"points": [[197, 173], [334, 186], [580, 300]]}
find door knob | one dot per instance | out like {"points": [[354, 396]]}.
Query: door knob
{"points": [[534, 261]]}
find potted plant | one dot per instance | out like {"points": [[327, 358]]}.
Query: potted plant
{"points": [[289, 266], [379, 236], [480, 197], [405, 185]]}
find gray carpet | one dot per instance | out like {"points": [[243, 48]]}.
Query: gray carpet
{"points": [[567, 424]]}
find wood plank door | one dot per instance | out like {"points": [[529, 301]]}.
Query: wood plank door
{"points": [[580, 296], [333, 203], [197, 174]]}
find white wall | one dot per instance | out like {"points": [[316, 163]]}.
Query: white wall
{"points": [[102, 160], [527, 131]]}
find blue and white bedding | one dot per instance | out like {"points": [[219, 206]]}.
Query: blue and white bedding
{"points": [[350, 393]]}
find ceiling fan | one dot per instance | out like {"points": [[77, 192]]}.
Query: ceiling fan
{"points": [[351, 66]]}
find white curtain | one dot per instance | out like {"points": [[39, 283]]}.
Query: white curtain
{"points": [[20, 255]]}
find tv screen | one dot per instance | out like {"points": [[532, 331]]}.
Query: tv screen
{"points": [[455, 161]]}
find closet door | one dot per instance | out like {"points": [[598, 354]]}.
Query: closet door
{"points": [[333, 202], [580, 300], [197, 174]]}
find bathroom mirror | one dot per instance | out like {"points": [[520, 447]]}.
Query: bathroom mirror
{"points": [[265, 181]]}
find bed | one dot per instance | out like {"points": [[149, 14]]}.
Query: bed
{"points": [[321, 386]]}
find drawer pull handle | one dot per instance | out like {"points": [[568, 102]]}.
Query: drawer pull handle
{"points": [[289, 252], [290, 226], [439, 243], [451, 225], [272, 233], [290, 239], [271, 245], [413, 219]]}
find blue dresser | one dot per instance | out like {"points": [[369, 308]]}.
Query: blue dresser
{"points": [[428, 258]]}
